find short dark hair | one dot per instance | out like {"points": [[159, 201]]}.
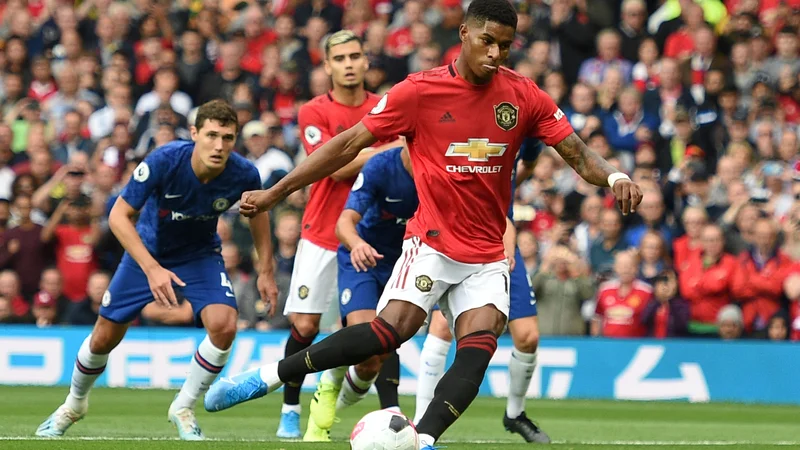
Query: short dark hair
{"points": [[217, 110], [339, 38], [500, 11]]}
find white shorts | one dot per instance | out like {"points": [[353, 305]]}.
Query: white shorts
{"points": [[424, 276], [313, 284]]}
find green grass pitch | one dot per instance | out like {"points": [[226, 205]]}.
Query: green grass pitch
{"points": [[136, 419]]}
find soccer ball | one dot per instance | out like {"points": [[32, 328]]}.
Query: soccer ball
{"points": [[384, 430]]}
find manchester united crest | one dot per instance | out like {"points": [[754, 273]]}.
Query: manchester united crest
{"points": [[423, 283], [505, 115], [303, 292]]}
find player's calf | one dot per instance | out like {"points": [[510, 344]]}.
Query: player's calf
{"points": [[477, 330], [209, 360], [388, 382], [89, 365], [357, 381]]}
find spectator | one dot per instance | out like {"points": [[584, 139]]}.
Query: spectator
{"points": [[605, 247], [251, 309], [730, 323], [52, 284], [757, 283], [688, 245], [45, 310], [653, 256], [778, 327], [629, 125], [706, 280], [85, 312], [529, 250], [609, 55], [287, 233], [588, 230], [10, 290], [667, 314], [269, 160], [74, 240], [632, 28], [651, 212], [561, 285], [621, 302], [22, 248]]}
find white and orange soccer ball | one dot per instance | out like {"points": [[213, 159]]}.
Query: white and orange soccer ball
{"points": [[384, 429]]}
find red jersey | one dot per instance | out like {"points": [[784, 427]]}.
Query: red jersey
{"points": [[463, 140], [321, 119], [622, 316], [75, 258]]}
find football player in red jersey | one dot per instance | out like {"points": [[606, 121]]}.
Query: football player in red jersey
{"points": [[464, 124], [313, 284]]}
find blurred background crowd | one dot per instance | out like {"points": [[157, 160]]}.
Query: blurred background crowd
{"points": [[699, 101]]}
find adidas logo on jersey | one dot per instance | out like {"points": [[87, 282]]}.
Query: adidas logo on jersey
{"points": [[446, 117]]}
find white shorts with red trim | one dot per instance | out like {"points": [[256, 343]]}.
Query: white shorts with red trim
{"points": [[425, 277], [314, 275]]}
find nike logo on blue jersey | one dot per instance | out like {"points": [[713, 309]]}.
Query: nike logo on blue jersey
{"points": [[173, 195], [393, 200]]}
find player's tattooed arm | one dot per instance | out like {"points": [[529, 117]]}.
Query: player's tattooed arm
{"points": [[589, 165], [596, 170]]}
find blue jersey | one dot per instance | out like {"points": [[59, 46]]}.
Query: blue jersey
{"points": [[385, 196], [528, 152], [178, 214]]}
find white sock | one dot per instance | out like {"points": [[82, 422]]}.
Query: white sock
{"points": [[335, 375], [353, 389], [432, 359], [88, 366], [520, 369], [207, 363], [269, 375], [291, 408], [426, 439]]}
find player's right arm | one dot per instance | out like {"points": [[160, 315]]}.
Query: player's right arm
{"points": [[394, 115], [122, 219], [362, 197]]}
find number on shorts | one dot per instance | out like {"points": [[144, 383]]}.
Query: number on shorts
{"points": [[225, 282]]}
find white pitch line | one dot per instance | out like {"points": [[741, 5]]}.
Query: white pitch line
{"points": [[572, 442]]}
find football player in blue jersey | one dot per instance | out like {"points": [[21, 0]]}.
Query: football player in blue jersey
{"points": [[522, 322], [371, 229], [178, 192]]}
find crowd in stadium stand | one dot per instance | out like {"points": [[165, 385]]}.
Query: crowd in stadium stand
{"points": [[699, 101]]}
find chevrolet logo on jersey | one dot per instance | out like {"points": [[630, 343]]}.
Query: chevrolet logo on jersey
{"points": [[477, 150]]}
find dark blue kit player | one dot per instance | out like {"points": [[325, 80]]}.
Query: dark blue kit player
{"points": [[178, 193], [371, 229]]}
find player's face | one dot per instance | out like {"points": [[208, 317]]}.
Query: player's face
{"points": [[346, 64], [214, 143], [485, 47]]}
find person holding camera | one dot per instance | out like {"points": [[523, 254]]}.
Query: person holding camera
{"points": [[562, 283]]}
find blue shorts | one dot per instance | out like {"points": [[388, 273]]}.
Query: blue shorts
{"points": [[523, 299], [206, 281], [360, 290]]}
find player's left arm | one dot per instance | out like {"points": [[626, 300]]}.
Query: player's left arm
{"points": [[262, 238]]}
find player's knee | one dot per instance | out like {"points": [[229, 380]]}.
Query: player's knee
{"points": [[222, 335], [306, 324], [440, 328], [485, 318], [526, 340], [406, 318], [369, 368], [525, 334], [102, 343]]}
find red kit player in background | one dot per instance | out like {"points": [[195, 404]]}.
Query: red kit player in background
{"points": [[313, 284], [453, 253]]}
